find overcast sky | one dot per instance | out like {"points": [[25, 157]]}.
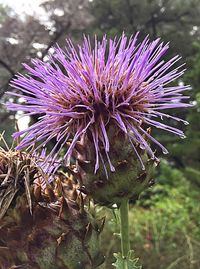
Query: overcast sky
{"points": [[21, 6]]}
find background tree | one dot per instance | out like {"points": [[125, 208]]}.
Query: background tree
{"points": [[174, 20]]}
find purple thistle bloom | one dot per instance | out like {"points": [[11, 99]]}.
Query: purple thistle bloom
{"points": [[83, 91]]}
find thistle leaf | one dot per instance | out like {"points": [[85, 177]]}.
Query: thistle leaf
{"points": [[132, 261]]}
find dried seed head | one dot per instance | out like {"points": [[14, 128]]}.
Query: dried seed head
{"points": [[60, 230], [18, 170]]}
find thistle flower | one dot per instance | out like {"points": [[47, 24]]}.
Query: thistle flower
{"points": [[85, 91]]}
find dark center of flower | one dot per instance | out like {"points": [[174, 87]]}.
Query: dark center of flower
{"points": [[100, 109]]}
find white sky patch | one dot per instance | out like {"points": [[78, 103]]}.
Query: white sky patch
{"points": [[12, 40], [22, 121], [180, 83], [27, 7], [194, 30], [59, 12], [39, 54], [21, 100], [39, 46]]}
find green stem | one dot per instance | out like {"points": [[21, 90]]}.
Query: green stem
{"points": [[124, 230]]}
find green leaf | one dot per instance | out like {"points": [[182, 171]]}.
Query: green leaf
{"points": [[132, 261]]}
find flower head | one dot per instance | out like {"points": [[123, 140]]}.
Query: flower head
{"points": [[84, 91]]}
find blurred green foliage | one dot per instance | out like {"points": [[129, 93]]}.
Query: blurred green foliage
{"points": [[164, 224]]}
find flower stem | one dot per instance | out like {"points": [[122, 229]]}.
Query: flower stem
{"points": [[124, 230]]}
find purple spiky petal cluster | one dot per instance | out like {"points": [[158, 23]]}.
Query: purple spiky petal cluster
{"points": [[85, 90]]}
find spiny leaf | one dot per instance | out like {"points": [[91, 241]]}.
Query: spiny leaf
{"points": [[132, 261]]}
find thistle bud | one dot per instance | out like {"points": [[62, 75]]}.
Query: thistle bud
{"points": [[131, 175]]}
